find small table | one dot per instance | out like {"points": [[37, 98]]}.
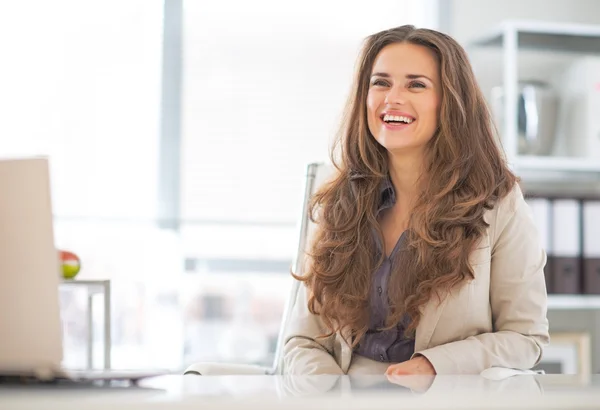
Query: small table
{"points": [[95, 287]]}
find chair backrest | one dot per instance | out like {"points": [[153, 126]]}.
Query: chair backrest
{"points": [[316, 175]]}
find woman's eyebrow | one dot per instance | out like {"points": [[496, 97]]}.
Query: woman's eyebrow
{"points": [[409, 76], [415, 76]]}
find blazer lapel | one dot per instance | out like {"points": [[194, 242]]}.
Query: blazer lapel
{"points": [[430, 315]]}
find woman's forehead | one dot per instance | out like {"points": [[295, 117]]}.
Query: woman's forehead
{"points": [[401, 59]]}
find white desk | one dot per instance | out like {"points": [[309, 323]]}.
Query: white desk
{"points": [[317, 392]]}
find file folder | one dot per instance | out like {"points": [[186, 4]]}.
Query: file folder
{"points": [[591, 247], [541, 209], [566, 241]]}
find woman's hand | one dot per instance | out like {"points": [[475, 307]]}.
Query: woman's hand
{"points": [[419, 365]]}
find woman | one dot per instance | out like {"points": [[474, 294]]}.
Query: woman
{"points": [[425, 258]]}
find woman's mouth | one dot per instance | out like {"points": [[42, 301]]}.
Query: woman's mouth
{"points": [[396, 122]]}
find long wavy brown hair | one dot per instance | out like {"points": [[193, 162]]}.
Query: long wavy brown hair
{"points": [[465, 175]]}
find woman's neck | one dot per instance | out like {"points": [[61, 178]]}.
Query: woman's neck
{"points": [[405, 173]]}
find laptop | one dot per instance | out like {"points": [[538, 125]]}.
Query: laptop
{"points": [[30, 324]]}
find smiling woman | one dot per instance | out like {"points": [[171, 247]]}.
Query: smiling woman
{"points": [[425, 259]]}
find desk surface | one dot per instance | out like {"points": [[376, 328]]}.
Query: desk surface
{"points": [[317, 392]]}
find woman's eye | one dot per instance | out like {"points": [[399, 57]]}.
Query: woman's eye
{"points": [[417, 84], [381, 83]]}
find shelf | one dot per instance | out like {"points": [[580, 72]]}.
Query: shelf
{"points": [[557, 164], [573, 302], [578, 38]]}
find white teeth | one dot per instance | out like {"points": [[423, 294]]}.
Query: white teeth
{"points": [[402, 118]]}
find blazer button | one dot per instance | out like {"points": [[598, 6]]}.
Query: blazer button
{"points": [[381, 357]]}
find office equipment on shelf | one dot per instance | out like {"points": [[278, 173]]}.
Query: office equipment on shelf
{"points": [[566, 241], [591, 247], [578, 119], [515, 36]]}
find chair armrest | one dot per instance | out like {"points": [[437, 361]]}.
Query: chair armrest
{"points": [[224, 369]]}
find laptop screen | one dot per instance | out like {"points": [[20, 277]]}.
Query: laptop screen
{"points": [[30, 327]]}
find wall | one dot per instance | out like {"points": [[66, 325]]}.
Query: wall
{"points": [[467, 19]]}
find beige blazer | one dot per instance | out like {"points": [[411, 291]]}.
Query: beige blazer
{"points": [[497, 319]]}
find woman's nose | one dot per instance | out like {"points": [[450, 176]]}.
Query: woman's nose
{"points": [[395, 95]]}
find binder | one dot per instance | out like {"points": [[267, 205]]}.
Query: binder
{"points": [[566, 242], [591, 247], [541, 209]]}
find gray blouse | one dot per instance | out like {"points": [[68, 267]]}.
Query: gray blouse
{"points": [[387, 345]]}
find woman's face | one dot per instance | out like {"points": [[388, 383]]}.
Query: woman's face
{"points": [[404, 98]]}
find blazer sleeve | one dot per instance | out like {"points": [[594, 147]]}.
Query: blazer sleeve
{"points": [[518, 300], [304, 353]]}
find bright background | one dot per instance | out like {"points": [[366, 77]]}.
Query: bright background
{"points": [[179, 132]]}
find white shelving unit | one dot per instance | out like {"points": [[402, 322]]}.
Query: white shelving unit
{"points": [[574, 302], [513, 36], [549, 163]]}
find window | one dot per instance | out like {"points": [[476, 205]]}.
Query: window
{"points": [[264, 84], [81, 82]]}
